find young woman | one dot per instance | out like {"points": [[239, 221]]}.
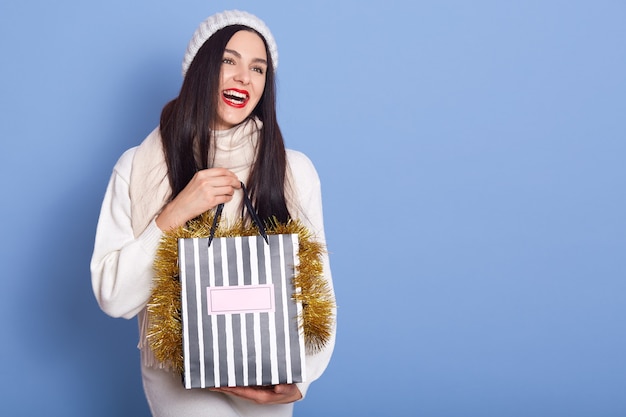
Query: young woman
{"points": [[220, 130]]}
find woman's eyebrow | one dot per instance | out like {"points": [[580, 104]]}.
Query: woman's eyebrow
{"points": [[238, 55]]}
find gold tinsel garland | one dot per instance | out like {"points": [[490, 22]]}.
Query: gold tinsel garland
{"points": [[164, 317]]}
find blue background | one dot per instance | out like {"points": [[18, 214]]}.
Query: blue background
{"points": [[472, 159]]}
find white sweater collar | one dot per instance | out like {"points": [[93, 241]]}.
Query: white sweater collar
{"points": [[235, 148]]}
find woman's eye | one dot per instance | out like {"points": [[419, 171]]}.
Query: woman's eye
{"points": [[227, 61], [260, 70]]}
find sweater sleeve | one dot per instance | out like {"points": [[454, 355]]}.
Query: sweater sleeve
{"points": [[121, 265], [309, 211]]}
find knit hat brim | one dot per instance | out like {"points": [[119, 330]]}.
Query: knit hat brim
{"points": [[219, 21]]}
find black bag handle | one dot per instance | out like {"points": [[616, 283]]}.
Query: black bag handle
{"points": [[253, 214]]}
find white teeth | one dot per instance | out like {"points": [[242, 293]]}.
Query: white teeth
{"points": [[235, 94]]}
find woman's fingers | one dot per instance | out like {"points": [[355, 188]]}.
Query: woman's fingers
{"points": [[275, 394], [207, 189]]}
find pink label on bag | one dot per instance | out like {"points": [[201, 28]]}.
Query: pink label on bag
{"points": [[240, 299]]}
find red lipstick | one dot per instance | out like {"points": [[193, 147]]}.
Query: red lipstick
{"points": [[235, 97]]}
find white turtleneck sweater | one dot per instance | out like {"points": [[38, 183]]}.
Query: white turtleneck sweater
{"points": [[122, 274]]}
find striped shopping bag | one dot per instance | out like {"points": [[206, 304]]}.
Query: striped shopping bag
{"points": [[240, 320]]}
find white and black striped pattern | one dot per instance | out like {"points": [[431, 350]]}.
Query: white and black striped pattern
{"points": [[215, 345]]}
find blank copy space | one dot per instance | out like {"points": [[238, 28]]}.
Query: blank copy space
{"points": [[240, 299]]}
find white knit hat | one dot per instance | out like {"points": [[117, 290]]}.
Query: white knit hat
{"points": [[219, 21]]}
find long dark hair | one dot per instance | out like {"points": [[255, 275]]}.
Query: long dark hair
{"points": [[187, 120]]}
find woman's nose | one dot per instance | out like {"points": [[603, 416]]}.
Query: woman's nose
{"points": [[242, 75]]}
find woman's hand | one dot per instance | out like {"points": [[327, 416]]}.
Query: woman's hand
{"points": [[273, 394], [207, 189]]}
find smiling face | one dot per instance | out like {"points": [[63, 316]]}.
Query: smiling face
{"points": [[242, 78]]}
